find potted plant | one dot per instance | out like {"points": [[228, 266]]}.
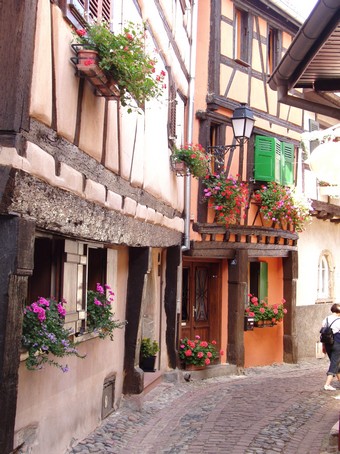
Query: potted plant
{"points": [[197, 353], [123, 59], [264, 313], [44, 335], [100, 318], [283, 205], [191, 156], [227, 196], [148, 351]]}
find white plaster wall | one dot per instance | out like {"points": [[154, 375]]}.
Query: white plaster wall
{"points": [[41, 90], [44, 396], [66, 82], [141, 154], [112, 142], [319, 236]]}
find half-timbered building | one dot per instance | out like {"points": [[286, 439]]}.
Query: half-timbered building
{"points": [[87, 196], [238, 45], [307, 77]]}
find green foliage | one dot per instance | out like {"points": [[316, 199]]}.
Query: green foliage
{"points": [[227, 196], [100, 318], [283, 204], [195, 157], [148, 347], [198, 352], [44, 334], [123, 56]]}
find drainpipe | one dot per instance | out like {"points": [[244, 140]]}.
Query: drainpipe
{"points": [[192, 71]]}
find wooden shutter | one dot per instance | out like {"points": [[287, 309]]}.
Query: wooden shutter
{"points": [[78, 12], [100, 9], [267, 159], [172, 110], [74, 280], [287, 163]]}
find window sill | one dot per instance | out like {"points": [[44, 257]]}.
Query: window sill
{"points": [[241, 62], [324, 301]]}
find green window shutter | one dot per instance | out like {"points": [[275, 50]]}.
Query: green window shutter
{"points": [[263, 281], [287, 163], [267, 159], [258, 279]]}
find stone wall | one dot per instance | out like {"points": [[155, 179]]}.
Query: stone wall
{"points": [[308, 323]]}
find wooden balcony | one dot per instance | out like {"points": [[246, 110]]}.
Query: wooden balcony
{"points": [[219, 241]]}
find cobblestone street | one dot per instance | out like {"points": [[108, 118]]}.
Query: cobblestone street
{"points": [[274, 409]]}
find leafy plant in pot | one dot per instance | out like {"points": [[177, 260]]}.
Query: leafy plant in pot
{"points": [[148, 351], [124, 58]]}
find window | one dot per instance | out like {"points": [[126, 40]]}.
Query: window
{"points": [[274, 160], [78, 12], [96, 269], [325, 277], [216, 138], [172, 114], [273, 49], [258, 279], [46, 278], [241, 36], [66, 269]]}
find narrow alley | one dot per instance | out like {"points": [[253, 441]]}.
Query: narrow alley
{"points": [[272, 409]]}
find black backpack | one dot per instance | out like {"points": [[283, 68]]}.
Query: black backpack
{"points": [[326, 334]]}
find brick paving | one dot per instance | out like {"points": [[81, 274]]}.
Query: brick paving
{"points": [[272, 409]]}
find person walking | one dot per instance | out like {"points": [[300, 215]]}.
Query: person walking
{"points": [[333, 350]]}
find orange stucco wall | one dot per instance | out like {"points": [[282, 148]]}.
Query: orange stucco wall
{"points": [[264, 346]]}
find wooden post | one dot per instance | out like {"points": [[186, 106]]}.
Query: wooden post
{"points": [[237, 291], [16, 74], [173, 258], [17, 246], [290, 276], [138, 266]]}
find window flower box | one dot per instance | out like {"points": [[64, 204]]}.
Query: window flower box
{"points": [[87, 66]]}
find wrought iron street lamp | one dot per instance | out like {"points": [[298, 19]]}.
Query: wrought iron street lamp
{"points": [[242, 123]]}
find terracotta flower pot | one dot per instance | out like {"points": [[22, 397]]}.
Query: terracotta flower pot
{"points": [[179, 167], [87, 64], [84, 55]]}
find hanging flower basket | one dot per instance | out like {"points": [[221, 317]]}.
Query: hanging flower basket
{"points": [[179, 167], [194, 157]]}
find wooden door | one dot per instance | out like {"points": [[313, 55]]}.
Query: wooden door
{"points": [[201, 301]]}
